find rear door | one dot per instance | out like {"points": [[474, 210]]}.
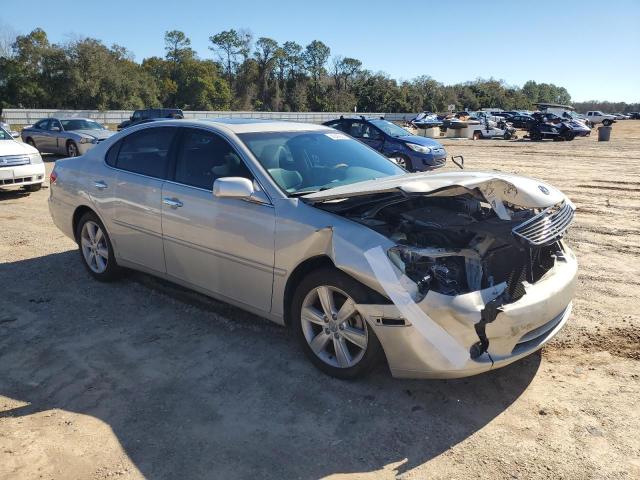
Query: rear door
{"points": [[141, 164], [222, 245]]}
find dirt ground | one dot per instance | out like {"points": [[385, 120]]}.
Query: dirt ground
{"points": [[142, 379]]}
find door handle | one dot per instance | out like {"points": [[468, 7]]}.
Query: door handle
{"points": [[100, 185], [172, 202]]}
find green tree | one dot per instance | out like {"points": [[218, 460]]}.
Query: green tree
{"points": [[230, 46], [315, 58]]}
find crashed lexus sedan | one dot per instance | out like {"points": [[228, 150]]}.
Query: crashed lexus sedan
{"points": [[444, 275]]}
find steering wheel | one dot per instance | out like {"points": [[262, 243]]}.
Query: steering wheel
{"points": [[340, 165]]}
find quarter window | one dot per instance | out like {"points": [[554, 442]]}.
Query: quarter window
{"points": [[146, 151], [204, 157]]}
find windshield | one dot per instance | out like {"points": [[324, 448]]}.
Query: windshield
{"points": [[390, 128], [305, 162], [4, 135], [81, 124]]}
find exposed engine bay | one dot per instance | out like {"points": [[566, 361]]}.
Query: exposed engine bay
{"points": [[457, 244]]}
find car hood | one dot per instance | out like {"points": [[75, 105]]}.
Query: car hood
{"points": [[99, 134], [428, 142], [496, 187], [11, 147]]}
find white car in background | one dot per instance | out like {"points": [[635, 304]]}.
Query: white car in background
{"points": [[596, 116], [20, 164]]}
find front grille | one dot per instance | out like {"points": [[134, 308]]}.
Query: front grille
{"points": [[13, 160], [13, 181], [548, 226]]}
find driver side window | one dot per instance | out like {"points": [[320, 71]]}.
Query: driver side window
{"points": [[43, 124], [204, 157]]}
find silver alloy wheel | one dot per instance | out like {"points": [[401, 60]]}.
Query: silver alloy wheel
{"points": [[400, 161], [95, 249], [72, 150], [333, 328]]}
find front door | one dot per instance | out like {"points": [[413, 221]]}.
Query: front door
{"points": [[141, 166], [42, 136], [222, 245], [368, 134]]}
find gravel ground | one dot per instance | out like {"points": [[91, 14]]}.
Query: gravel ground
{"points": [[142, 379]]}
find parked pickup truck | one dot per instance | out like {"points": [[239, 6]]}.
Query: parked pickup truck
{"points": [[597, 116]]}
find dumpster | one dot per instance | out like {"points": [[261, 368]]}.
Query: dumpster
{"points": [[604, 134]]}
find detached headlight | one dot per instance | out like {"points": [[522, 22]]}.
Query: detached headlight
{"points": [[88, 140], [35, 158], [419, 148]]}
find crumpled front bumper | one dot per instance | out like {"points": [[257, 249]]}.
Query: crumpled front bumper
{"points": [[520, 329]]}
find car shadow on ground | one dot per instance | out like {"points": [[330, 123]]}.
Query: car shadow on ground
{"points": [[191, 386]]}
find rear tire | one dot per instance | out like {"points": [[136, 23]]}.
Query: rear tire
{"points": [[344, 346], [477, 135], [96, 250]]}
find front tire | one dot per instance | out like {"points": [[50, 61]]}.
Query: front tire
{"points": [[72, 149], [96, 249], [332, 333], [607, 122], [34, 187], [402, 161], [31, 143]]}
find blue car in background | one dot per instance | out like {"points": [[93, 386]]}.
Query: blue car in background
{"points": [[412, 152]]}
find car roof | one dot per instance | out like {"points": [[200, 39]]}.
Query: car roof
{"points": [[363, 118], [247, 125], [244, 125], [70, 118]]}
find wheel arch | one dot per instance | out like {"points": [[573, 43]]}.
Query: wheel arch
{"points": [[77, 215], [315, 263], [298, 273]]}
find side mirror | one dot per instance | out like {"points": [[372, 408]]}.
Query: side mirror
{"points": [[233, 187], [131, 118]]}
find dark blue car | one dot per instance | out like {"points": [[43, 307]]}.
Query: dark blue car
{"points": [[411, 152]]}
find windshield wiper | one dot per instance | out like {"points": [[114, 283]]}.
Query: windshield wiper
{"points": [[301, 193]]}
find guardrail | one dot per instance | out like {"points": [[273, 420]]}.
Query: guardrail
{"points": [[19, 117]]}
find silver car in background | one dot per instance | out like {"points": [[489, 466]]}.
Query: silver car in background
{"points": [[444, 275], [65, 136]]}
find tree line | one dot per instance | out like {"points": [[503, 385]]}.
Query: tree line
{"points": [[243, 74]]}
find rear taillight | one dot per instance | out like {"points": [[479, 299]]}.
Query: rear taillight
{"points": [[52, 177]]}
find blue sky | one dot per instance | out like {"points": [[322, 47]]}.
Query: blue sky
{"points": [[591, 47]]}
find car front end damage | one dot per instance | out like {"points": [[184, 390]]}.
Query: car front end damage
{"points": [[479, 275]]}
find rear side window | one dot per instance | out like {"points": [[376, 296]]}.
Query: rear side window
{"points": [[112, 154], [204, 156], [146, 152]]}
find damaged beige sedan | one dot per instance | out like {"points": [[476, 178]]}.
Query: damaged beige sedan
{"points": [[443, 275]]}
